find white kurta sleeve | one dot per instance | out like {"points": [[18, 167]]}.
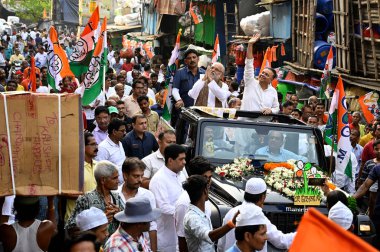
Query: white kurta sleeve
{"points": [[278, 238], [221, 93], [162, 198], [249, 72], [196, 89]]}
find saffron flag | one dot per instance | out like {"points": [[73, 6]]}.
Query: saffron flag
{"points": [[216, 52], [94, 77], [317, 233], [369, 104], [337, 134], [83, 50], [32, 75], [58, 65], [326, 76], [169, 77], [266, 60]]}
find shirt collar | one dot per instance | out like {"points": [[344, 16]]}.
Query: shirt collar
{"points": [[197, 210], [170, 172], [159, 154], [97, 129], [136, 136], [108, 139]]}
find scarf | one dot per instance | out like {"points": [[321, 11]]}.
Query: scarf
{"points": [[202, 99]]}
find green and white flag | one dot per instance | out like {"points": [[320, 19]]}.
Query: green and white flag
{"points": [[94, 77], [170, 73], [337, 134]]}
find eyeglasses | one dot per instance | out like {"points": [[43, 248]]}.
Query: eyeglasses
{"points": [[93, 144]]}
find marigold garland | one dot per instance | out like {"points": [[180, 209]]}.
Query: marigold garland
{"points": [[270, 166]]}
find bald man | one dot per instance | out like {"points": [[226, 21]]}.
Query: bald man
{"points": [[210, 91]]}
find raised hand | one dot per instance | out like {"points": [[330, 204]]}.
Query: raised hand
{"points": [[254, 38]]}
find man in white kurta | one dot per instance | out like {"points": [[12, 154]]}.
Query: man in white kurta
{"points": [[259, 95], [166, 185], [218, 92]]}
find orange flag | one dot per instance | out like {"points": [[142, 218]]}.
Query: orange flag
{"points": [[283, 53], [266, 61], [274, 53], [317, 233], [369, 103]]}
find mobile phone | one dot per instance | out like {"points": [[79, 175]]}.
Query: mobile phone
{"points": [[316, 181]]}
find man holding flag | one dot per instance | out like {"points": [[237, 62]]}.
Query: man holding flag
{"points": [[337, 136]]}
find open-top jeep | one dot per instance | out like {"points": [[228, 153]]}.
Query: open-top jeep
{"points": [[221, 140]]}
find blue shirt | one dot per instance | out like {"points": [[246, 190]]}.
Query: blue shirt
{"points": [[234, 248], [184, 80], [137, 147], [283, 156]]}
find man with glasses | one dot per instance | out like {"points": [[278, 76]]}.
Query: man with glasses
{"points": [[259, 95], [183, 81], [197, 166], [111, 148], [210, 91]]}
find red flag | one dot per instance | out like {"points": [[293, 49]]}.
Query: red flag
{"points": [[32, 76], [317, 233]]}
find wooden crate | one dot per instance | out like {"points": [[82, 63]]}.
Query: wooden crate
{"points": [[366, 50], [303, 32]]}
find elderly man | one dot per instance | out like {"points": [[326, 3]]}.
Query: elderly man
{"points": [[134, 220], [211, 91], [259, 95], [312, 102], [106, 176], [275, 152], [254, 197]]}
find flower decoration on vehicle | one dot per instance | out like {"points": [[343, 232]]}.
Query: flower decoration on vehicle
{"points": [[292, 181], [239, 168]]}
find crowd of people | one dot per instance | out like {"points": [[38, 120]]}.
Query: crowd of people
{"points": [[138, 195]]}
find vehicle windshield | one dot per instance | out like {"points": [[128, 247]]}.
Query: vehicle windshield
{"points": [[224, 142]]}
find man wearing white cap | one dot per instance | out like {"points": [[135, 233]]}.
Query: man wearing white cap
{"points": [[254, 196], [250, 231], [134, 220], [341, 215], [94, 220]]}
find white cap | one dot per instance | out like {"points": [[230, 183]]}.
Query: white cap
{"points": [[255, 186], [250, 215], [91, 218], [341, 215]]}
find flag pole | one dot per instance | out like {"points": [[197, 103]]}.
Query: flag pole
{"points": [[331, 154]]}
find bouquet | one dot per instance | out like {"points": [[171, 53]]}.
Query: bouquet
{"points": [[240, 168]]}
